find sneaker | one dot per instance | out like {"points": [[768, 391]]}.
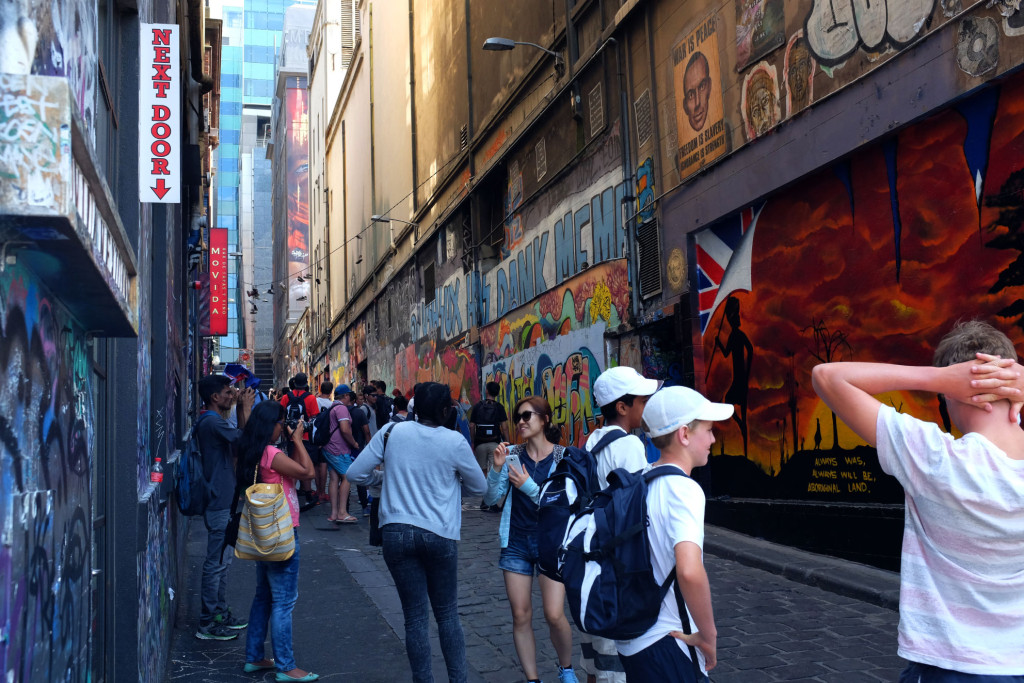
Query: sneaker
{"points": [[494, 508], [483, 507], [567, 675], [230, 621], [215, 631], [366, 511]]}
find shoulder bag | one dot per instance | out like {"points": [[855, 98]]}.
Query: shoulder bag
{"points": [[265, 529]]}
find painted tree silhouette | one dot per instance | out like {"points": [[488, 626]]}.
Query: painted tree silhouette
{"points": [[829, 346], [1010, 202]]}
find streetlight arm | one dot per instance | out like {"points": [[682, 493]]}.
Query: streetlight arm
{"points": [[386, 219], [554, 54]]}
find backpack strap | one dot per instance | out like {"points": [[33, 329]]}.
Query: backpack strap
{"points": [[384, 447], [685, 619], [607, 439]]}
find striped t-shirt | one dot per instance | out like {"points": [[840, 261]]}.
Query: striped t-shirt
{"points": [[962, 576]]}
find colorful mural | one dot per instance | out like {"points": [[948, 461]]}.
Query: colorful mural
{"points": [[555, 346], [563, 371], [873, 259], [454, 366], [599, 295], [47, 422]]}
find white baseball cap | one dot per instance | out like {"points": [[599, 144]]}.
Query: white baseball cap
{"points": [[614, 383], [674, 407]]}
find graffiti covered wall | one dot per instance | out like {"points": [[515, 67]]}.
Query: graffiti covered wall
{"points": [[729, 89], [871, 260], [47, 422], [554, 347]]}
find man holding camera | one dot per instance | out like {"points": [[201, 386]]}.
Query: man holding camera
{"points": [[299, 404]]}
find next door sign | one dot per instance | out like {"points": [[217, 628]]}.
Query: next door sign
{"points": [[159, 115]]}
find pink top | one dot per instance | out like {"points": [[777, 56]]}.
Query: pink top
{"points": [[268, 475]]}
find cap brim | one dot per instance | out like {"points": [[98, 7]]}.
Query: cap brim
{"points": [[645, 387], [716, 412]]}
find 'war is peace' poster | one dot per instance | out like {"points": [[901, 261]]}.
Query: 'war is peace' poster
{"points": [[700, 121]]}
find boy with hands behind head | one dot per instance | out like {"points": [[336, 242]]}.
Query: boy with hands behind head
{"points": [[961, 587]]}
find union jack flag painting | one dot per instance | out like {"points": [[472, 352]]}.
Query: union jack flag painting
{"points": [[723, 260]]}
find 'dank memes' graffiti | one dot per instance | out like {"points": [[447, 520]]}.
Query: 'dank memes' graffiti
{"points": [[922, 230]]}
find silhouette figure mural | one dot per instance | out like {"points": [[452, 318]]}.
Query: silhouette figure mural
{"points": [[849, 264], [739, 348]]}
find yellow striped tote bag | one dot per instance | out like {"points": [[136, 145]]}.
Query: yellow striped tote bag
{"points": [[265, 529]]}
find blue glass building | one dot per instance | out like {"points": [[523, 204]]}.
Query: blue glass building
{"points": [[252, 32]]}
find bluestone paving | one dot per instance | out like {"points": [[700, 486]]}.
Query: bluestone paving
{"points": [[782, 614]]}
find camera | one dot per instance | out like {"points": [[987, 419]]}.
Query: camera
{"points": [[291, 423]]}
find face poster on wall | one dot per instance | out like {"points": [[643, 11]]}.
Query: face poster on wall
{"points": [[759, 101], [760, 28], [799, 74], [700, 124]]}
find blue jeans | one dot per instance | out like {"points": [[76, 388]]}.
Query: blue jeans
{"points": [[277, 589], [425, 568], [215, 567], [926, 673]]}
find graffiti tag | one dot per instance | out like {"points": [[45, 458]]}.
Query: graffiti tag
{"points": [[836, 28]]}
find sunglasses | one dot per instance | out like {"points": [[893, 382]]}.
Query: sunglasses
{"points": [[526, 416]]}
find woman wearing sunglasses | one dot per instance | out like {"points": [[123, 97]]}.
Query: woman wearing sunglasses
{"points": [[537, 457]]}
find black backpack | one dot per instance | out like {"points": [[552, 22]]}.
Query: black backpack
{"points": [[323, 429], [296, 409], [191, 487], [485, 417]]}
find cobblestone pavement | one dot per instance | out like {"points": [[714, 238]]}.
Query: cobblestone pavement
{"points": [[770, 628]]}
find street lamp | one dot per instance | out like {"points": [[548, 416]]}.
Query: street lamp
{"points": [[502, 44], [377, 218]]}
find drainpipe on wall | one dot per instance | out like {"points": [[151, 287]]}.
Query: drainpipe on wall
{"points": [[195, 45], [627, 172]]}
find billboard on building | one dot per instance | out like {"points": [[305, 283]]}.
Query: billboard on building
{"points": [[297, 181]]}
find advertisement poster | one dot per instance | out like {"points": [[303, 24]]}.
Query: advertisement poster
{"points": [[297, 171], [700, 122], [760, 28]]}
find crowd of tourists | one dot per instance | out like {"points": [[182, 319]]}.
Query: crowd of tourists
{"points": [[962, 595]]}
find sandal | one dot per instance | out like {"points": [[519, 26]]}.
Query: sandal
{"points": [[348, 519], [333, 519]]}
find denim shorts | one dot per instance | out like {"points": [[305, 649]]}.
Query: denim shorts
{"points": [[338, 463], [520, 555]]}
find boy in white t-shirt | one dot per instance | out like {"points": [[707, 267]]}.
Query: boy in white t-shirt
{"points": [[622, 394], [679, 421], [961, 582]]}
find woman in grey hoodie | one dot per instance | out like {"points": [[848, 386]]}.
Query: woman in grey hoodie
{"points": [[427, 468]]}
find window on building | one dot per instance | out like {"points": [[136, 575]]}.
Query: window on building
{"points": [[429, 285]]}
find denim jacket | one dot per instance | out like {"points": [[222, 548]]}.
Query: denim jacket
{"points": [[498, 486]]}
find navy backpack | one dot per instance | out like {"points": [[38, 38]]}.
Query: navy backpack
{"points": [[191, 488], [569, 488], [605, 561]]}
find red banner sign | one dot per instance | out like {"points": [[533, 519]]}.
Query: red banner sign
{"points": [[218, 282]]}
